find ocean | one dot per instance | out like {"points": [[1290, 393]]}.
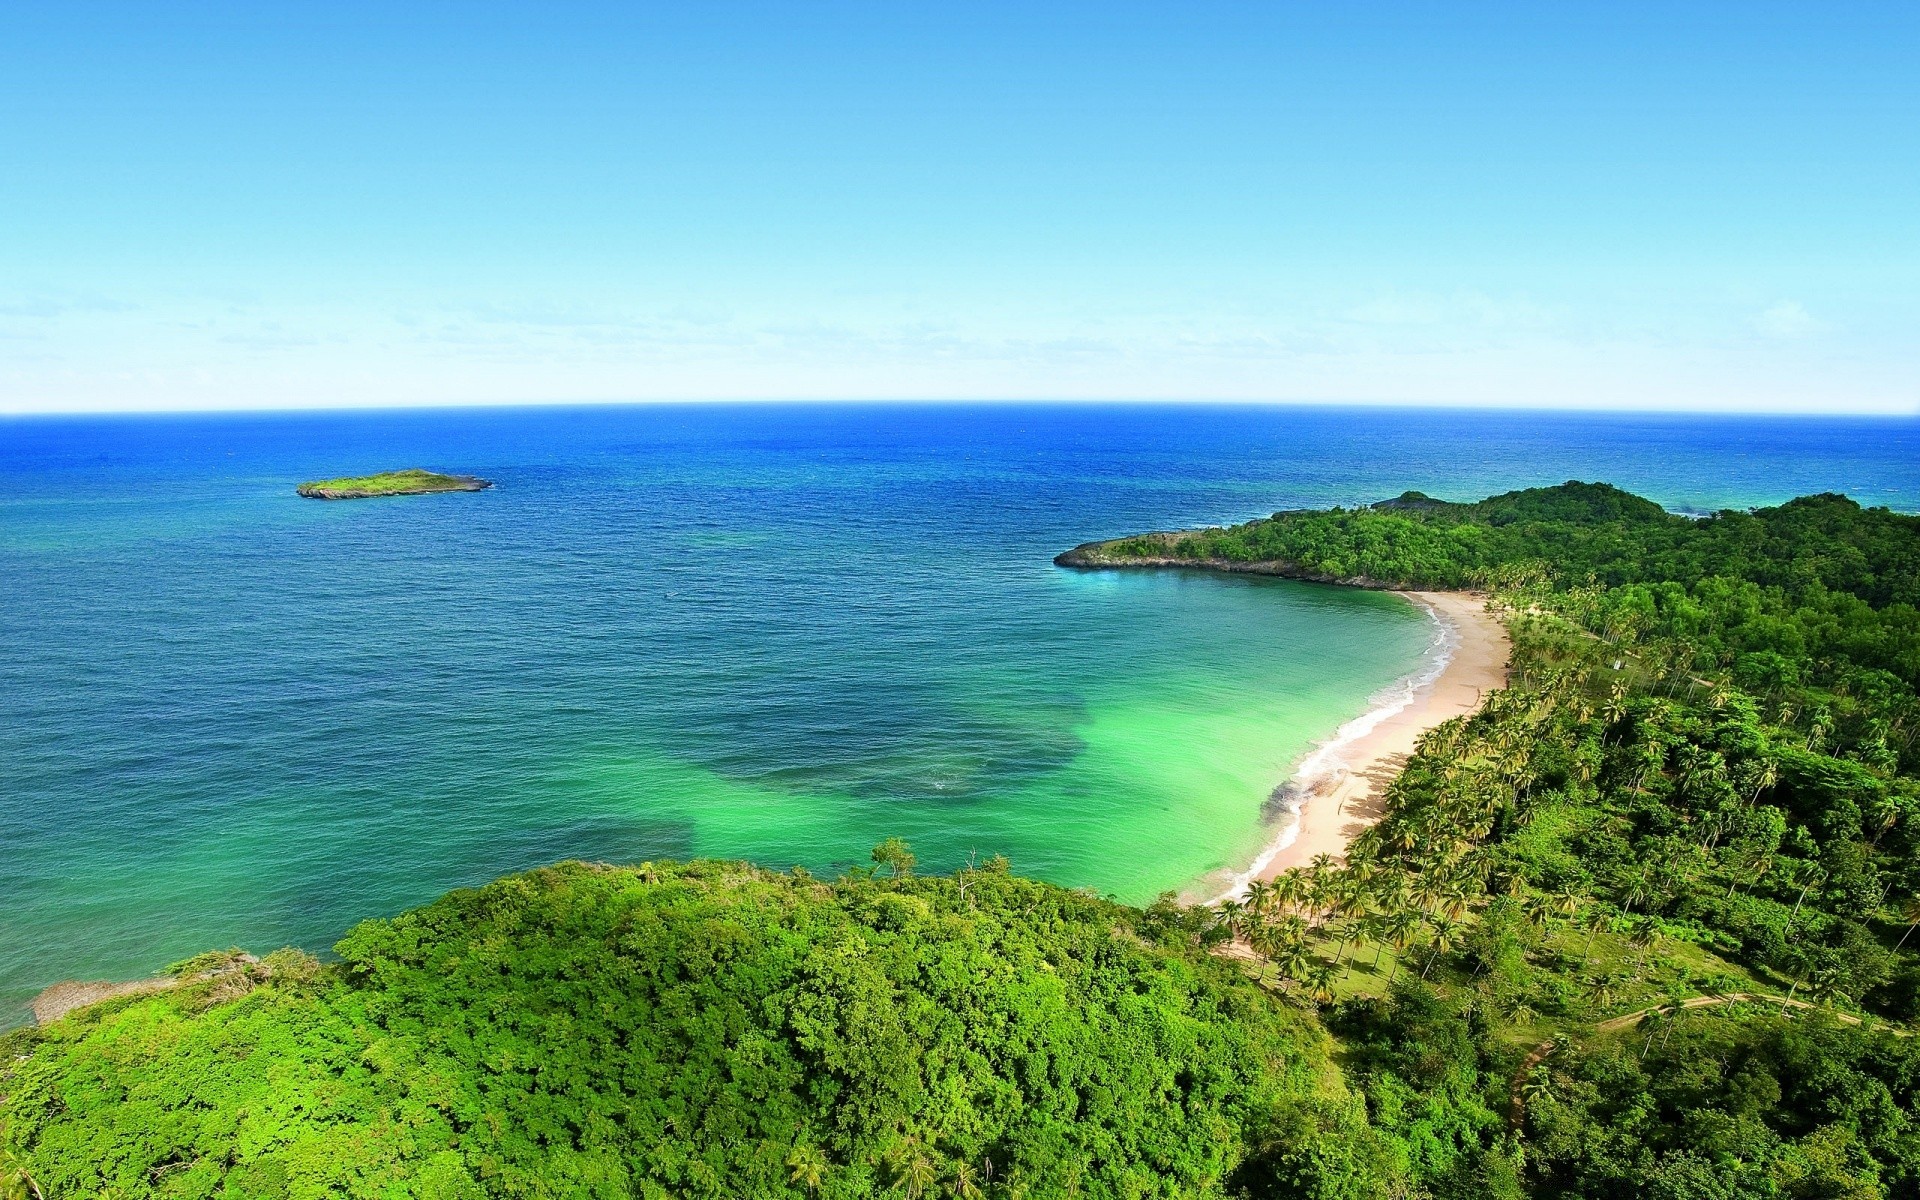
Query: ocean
{"points": [[233, 717]]}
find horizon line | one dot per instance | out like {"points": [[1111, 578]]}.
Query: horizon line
{"points": [[978, 402]]}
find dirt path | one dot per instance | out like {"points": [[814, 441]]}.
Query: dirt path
{"points": [[1517, 1112]]}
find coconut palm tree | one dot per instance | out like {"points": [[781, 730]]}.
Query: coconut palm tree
{"points": [[1401, 929], [1765, 774], [1380, 933], [1288, 889], [1428, 891], [1444, 938], [964, 1183], [1598, 921], [1539, 911], [1750, 865], [1643, 936], [1827, 985], [808, 1166], [1910, 913], [1603, 990], [1259, 897], [1810, 875], [1321, 889], [914, 1174], [1320, 984], [1294, 960]]}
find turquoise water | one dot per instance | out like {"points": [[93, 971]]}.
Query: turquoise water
{"points": [[232, 716]]}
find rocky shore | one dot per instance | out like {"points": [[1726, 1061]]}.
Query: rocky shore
{"points": [[1100, 557]]}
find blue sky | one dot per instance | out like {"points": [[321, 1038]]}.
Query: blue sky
{"points": [[1670, 205]]}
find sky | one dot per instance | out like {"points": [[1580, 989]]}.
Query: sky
{"points": [[1618, 205]]}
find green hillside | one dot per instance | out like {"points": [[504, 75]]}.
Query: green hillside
{"points": [[1641, 926], [696, 1030]]}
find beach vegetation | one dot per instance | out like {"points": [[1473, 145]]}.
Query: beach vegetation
{"points": [[1640, 925], [1699, 787]]}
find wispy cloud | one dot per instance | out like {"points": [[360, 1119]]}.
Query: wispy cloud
{"points": [[1787, 319]]}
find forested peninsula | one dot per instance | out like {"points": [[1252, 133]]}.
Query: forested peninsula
{"points": [[1641, 926]]}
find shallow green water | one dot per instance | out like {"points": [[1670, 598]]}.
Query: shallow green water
{"points": [[232, 716]]}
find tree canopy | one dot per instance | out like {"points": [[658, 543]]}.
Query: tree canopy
{"points": [[703, 1029], [1700, 782]]}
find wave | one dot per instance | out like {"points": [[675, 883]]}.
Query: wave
{"points": [[1325, 767]]}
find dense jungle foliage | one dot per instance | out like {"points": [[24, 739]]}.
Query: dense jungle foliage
{"points": [[704, 1030], [1643, 925], [1700, 782]]}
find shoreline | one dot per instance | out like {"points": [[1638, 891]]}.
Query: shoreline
{"points": [[1338, 789]]}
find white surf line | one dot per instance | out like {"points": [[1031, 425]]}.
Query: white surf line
{"points": [[1322, 769]]}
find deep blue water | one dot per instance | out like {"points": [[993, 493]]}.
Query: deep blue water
{"points": [[232, 716]]}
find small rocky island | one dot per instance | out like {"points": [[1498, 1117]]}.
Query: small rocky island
{"points": [[412, 482]]}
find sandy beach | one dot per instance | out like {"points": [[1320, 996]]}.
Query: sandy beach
{"points": [[1342, 784]]}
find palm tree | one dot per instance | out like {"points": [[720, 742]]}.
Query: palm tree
{"points": [[1910, 913], [1653, 1022], [1320, 984], [1598, 921], [1828, 985], [914, 1174], [1604, 990], [1813, 873], [1639, 887], [1379, 931], [1321, 890], [1614, 711], [1294, 960], [809, 1167], [1402, 928], [1539, 911], [1428, 891], [963, 1182], [1232, 915], [1288, 889], [1258, 897], [1358, 936], [1643, 936], [1886, 815], [1751, 864], [1444, 939], [1391, 891], [1806, 967]]}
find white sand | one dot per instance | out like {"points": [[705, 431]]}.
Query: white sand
{"points": [[1339, 789]]}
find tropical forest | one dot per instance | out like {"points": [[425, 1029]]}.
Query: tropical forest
{"points": [[1641, 926]]}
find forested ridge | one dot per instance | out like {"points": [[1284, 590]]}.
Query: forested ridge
{"points": [[1701, 780]]}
